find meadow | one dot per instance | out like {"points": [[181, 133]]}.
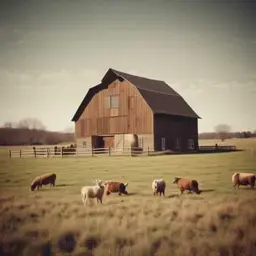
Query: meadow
{"points": [[54, 221]]}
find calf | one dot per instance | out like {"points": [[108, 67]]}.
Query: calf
{"points": [[116, 187], [241, 178], [187, 184], [44, 179], [158, 186]]}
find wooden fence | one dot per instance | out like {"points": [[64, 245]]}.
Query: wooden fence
{"points": [[77, 152]]}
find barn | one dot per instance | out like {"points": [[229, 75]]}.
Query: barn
{"points": [[125, 110]]}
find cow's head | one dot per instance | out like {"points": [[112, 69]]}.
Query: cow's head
{"points": [[155, 185], [33, 186], [99, 183], [175, 180], [123, 188]]}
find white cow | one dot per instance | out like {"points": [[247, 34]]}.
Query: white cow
{"points": [[96, 191], [158, 186]]}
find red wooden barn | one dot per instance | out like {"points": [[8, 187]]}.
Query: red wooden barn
{"points": [[125, 110]]}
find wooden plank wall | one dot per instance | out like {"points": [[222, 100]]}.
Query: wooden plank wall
{"points": [[172, 128], [132, 116]]}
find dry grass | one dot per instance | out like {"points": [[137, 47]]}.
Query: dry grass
{"points": [[54, 221]]}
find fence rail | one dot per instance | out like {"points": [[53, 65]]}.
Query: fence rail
{"points": [[76, 152]]}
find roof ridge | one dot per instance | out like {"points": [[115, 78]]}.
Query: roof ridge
{"points": [[117, 72], [173, 94]]}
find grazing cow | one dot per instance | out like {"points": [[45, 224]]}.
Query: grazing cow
{"points": [[241, 178], [158, 186], [187, 184], [116, 187], [96, 191], [44, 179]]}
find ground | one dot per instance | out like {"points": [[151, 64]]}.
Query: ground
{"points": [[219, 221]]}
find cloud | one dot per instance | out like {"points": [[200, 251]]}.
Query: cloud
{"points": [[29, 78]]}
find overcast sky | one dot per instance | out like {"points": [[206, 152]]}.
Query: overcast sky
{"points": [[52, 52]]}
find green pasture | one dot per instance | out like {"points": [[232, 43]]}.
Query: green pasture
{"points": [[213, 171]]}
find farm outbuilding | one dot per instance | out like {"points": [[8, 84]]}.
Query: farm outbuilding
{"points": [[125, 110]]}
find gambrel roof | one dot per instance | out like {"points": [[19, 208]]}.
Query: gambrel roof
{"points": [[160, 97]]}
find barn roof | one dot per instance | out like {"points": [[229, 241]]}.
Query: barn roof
{"points": [[161, 98]]}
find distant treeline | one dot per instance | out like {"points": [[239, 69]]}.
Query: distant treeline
{"points": [[25, 136], [229, 135]]}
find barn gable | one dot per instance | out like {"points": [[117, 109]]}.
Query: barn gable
{"points": [[161, 98]]}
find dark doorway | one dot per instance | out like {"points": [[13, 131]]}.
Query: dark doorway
{"points": [[97, 142]]}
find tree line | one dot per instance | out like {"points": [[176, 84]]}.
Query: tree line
{"points": [[31, 131], [223, 132]]}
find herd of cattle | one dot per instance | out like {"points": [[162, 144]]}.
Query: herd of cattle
{"points": [[158, 185]]}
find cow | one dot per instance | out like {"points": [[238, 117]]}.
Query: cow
{"points": [[158, 186], [186, 184], [116, 187], [44, 179], [241, 178], [96, 191]]}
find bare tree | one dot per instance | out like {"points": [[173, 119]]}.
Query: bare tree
{"points": [[223, 130], [31, 123], [8, 125]]}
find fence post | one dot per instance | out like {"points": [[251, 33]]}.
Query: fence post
{"points": [[35, 153], [10, 153], [92, 150], [109, 151], [20, 153], [148, 151], [47, 152], [76, 152], [61, 152]]}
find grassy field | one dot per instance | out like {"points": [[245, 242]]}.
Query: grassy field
{"points": [[54, 221]]}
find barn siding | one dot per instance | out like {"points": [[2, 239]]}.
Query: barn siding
{"points": [[171, 128], [145, 141], [85, 142], [133, 115]]}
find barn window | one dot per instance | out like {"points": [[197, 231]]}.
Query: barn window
{"points": [[178, 143], [131, 102], [163, 143], [107, 102], [141, 142], [191, 144], [112, 101], [84, 144]]}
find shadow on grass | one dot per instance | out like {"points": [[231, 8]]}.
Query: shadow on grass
{"points": [[132, 194], [173, 196], [207, 190], [64, 185]]}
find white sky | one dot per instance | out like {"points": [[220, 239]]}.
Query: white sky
{"points": [[52, 52]]}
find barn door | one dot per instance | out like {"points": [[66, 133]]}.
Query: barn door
{"points": [[108, 141]]}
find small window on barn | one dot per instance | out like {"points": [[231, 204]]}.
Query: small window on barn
{"points": [[163, 143], [107, 102], [141, 142], [84, 144], [191, 144], [131, 102], [178, 143], [114, 101]]}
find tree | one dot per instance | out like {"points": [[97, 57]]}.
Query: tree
{"points": [[223, 131], [31, 123], [8, 125]]}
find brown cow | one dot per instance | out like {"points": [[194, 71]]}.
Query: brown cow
{"points": [[44, 179], [187, 184], [116, 187], [241, 178]]}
